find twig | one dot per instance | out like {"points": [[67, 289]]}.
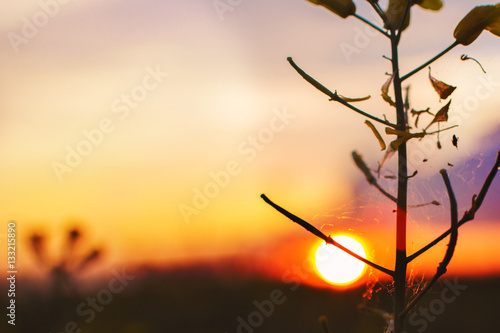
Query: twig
{"points": [[466, 57], [451, 245], [430, 61], [469, 215], [433, 202], [441, 130], [371, 25], [321, 235], [412, 175], [334, 96], [369, 177], [378, 10]]}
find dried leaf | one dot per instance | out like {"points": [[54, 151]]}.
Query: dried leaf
{"points": [[342, 8], [402, 136], [441, 116], [351, 100], [478, 19], [444, 90], [385, 90], [454, 141], [377, 134], [398, 142]]}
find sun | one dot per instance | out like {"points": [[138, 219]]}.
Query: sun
{"points": [[336, 266]]}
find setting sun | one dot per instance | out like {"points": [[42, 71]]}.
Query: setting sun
{"points": [[336, 266]]}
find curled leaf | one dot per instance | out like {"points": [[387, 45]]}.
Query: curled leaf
{"points": [[385, 91], [441, 116], [402, 136], [342, 8], [377, 134], [444, 90], [478, 19], [351, 100]]}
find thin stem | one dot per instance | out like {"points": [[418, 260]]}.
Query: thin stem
{"points": [[466, 57], [469, 215], [401, 211], [451, 245], [441, 130], [372, 25], [449, 48], [378, 10], [369, 177], [434, 202], [333, 95], [309, 227]]}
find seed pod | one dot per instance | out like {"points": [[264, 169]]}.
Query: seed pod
{"points": [[342, 8], [429, 4], [395, 12], [478, 19]]}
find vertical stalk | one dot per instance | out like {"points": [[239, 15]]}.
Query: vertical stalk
{"points": [[401, 261]]}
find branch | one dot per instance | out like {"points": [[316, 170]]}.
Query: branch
{"points": [[469, 215], [372, 25], [439, 131], [321, 235], [369, 177], [334, 96], [430, 61], [433, 202], [379, 10], [451, 245]]}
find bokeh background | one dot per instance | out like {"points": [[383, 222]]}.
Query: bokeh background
{"points": [[150, 128]]}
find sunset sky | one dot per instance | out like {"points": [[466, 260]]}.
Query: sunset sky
{"points": [[186, 114]]}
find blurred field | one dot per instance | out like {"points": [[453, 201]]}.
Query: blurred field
{"points": [[202, 300]]}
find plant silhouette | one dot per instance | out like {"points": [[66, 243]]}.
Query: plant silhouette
{"points": [[394, 20], [70, 262]]}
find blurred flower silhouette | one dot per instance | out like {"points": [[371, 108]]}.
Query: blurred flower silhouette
{"points": [[72, 261]]}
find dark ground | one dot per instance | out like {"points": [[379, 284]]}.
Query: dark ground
{"points": [[201, 301]]}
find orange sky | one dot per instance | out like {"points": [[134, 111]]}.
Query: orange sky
{"points": [[177, 100]]}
